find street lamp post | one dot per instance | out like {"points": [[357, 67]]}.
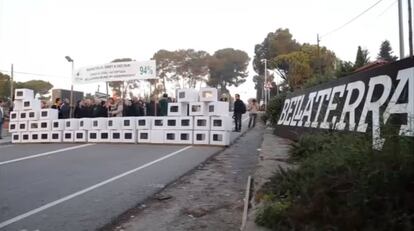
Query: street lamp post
{"points": [[265, 83], [71, 86]]}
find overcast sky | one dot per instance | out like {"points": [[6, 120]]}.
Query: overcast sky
{"points": [[36, 35]]}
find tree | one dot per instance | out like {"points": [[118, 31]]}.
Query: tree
{"points": [[386, 52], [297, 66], [228, 67], [38, 86], [344, 68], [4, 86], [362, 58]]}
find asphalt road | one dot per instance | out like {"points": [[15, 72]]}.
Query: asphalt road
{"points": [[83, 186]]}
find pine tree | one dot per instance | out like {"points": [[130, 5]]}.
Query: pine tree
{"points": [[361, 58], [386, 52]]}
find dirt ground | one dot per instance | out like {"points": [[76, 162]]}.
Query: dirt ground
{"points": [[209, 198]]}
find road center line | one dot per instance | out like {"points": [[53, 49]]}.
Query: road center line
{"points": [[102, 183], [44, 154]]}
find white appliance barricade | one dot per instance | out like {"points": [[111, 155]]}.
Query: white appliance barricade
{"points": [[187, 95], [45, 125], [221, 138], [34, 137], [177, 109], [185, 137], [58, 125], [99, 123], [201, 123], [34, 126], [221, 123], [55, 136], [129, 136], [49, 114], [32, 105], [33, 115], [114, 123], [104, 136], [116, 136], [158, 123], [198, 109], [25, 137], [144, 136], [44, 137], [22, 126], [13, 126], [23, 94], [71, 124], [68, 136], [93, 136], [16, 138], [157, 136], [128, 123], [23, 116], [201, 137], [171, 123], [18, 105], [14, 116], [85, 124], [218, 109], [186, 123], [208, 94], [171, 137], [80, 136], [143, 123]]}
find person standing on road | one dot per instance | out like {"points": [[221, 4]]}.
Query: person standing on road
{"points": [[164, 105], [252, 108], [239, 110], [1, 118]]}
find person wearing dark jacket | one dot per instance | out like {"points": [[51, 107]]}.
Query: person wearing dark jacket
{"points": [[64, 112], [163, 105], [239, 110]]}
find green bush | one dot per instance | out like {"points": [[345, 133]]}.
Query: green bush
{"points": [[340, 183], [275, 107]]}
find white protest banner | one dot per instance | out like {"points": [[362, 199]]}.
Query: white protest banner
{"points": [[119, 71]]}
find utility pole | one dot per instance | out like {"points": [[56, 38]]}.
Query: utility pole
{"points": [[410, 28], [319, 57], [400, 23], [11, 83]]}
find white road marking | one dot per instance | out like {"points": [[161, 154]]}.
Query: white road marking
{"points": [[102, 183], [44, 154], [6, 146]]}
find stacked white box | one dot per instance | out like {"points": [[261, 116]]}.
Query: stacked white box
{"points": [[68, 136], [208, 94], [186, 123], [187, 95], [14, 116], [104, 136], [157, 136], [58, 125], [80, 136], [218, 109], [25, 137], [177, 109], [31, 104], [185, 137], [158, 123], [13, 126], [221, 138], [23, 116], [45, 125], [201, 123], [85, 124], [221, 123], [17, 105], [170, 137], [129, 136], [114, 123], [128, 123], [16, 138], [49, 114], [93, 136], [34, 137], [144, 136], [33, 115], [116, 136], [201, 137], [99, 123], [143, 123], [198, 109], [22, 126], [23, 93], [33, 126], [71, 124], [171, 123], [44, 137], [55, 136]]}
